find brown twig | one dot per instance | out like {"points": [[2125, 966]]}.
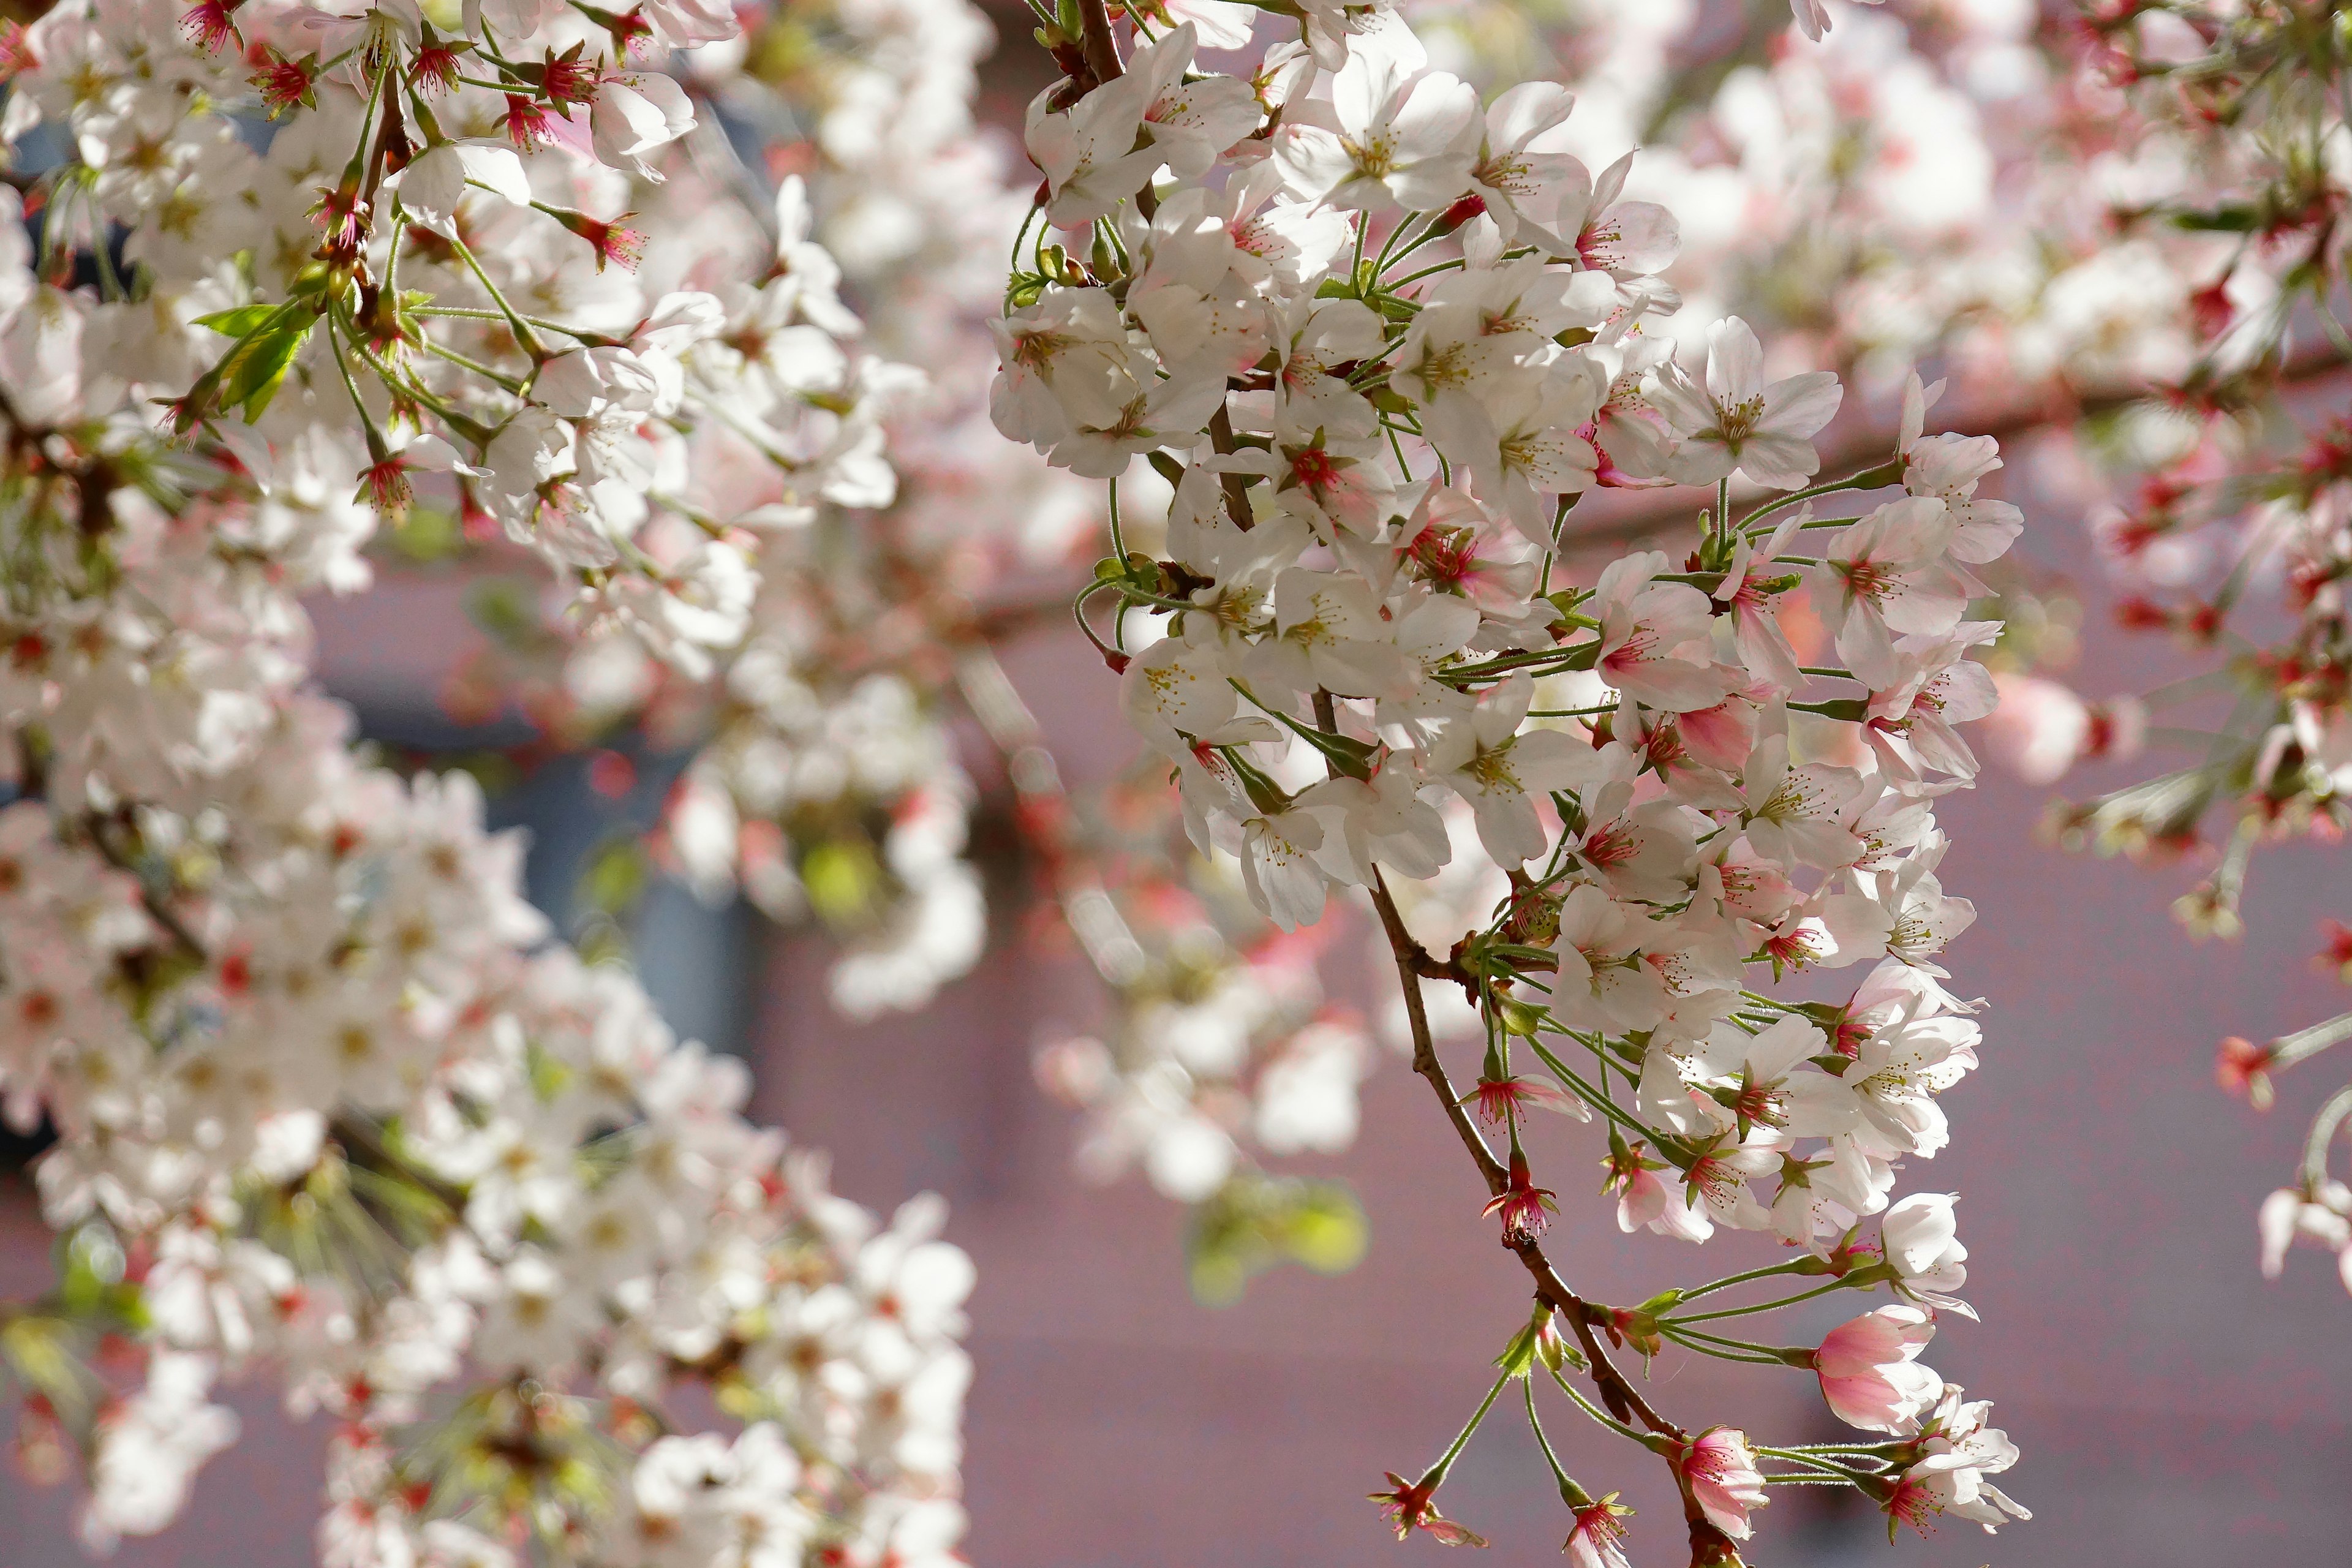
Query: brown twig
{"points": [[1101, 49], [1236, 486], [1708, 1545], [359, 1138], [157, 910]]}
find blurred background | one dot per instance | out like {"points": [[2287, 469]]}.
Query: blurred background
{"points": [[2173, 1406]]}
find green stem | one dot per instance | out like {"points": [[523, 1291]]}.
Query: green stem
{"points": [[1595, 1411], [2324, 1126], [1078, 612], [1575, 1495], [2303, 1044], [1728, 1280], [466, 313], [1879, 478], [1590, 1095], [1436, 1472], [1775, 1352], [508, 382], [515, 321], [1763, 1306], [1720, 1351]]}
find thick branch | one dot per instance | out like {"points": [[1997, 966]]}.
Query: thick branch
{"points": [[1101, 51]]}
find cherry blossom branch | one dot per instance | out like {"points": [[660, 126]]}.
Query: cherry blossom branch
{"points": [[2060, 409], [1709, 1544]]}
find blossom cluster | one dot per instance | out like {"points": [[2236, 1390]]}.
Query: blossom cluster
{"points": [[2118, 232], [826, 784], [1377, 340], [328, 1102], [2221, 276]]}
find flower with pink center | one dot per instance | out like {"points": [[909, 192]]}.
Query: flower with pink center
{"points": [[1767, 1079], [568, 78], [1719, 1469], [1801, 940], [1870, 1371], [1500, 1098], [1594, 1542], [384, 483], [1656, 640], [1736, 423], [1932, 687], [1331, 480], [341, 216], [1412, 1505], [283, 84], [2242, 1067], [1624, 239], [614, 241], [1892, 578], [526, 121], [1749, 588], [1526, 1208], [1644, 1200], [1454, 545], [212, 24], [1749, 886], [435, 65], [1715, 1185], [1958, 1451]]}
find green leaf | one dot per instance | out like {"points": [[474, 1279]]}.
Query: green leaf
{"points": [[1345, 752], [506, 608], [237, 322], [1326, 1232], [615, 876], [429, 534], [844, 881], [2238, 217], [256, 366], [1256, 1222]]}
